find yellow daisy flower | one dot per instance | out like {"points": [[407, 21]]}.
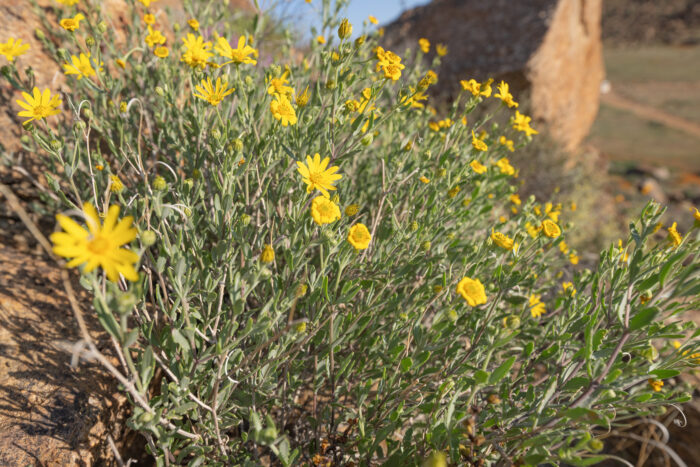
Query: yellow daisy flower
{"points": [[71, 24], [550, 228], [477, 167], [80, 66], [39, 106], [99, 245], [238, 55], [674, 236], [478, 143], [522, 123], [505, 95], [283, 111], [324, 211], [194, 24], [211, 93], [472, 290], [13, 48], [316, 174], [277, 85], [359, 236], [161, 52], [441, 50], [502, 240], [154, 37], [537, 308], [424, 45], [196, 51], [268, 254]]}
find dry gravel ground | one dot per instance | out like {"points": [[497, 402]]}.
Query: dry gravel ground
{"points": [[50, 413]]}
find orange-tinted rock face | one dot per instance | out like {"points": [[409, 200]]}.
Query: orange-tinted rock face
{"points": [[549, 48]]}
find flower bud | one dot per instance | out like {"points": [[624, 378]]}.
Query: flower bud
{"points": [[245, 219], [345, 29], [331, 84], [414, 226], [148, 238], [216, 133], [79, 125], [159, 183], [367, 139], [176, 27], [123, 107], [359, 41], [300, 328], [90, 41], [39, 34], [160, 91], [596, 445], [56, 145], [511, 322], [351, 210], [189, 183], [102, 27], [237, 145], [87, 113], [188, 211], [425, 246]]}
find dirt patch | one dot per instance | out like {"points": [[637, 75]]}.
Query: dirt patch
{"points": [[636, 22]]}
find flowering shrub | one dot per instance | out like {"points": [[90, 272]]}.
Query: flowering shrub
{"points": [[301, 263]]}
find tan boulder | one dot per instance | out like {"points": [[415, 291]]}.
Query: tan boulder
{"points": [[549, 49]]}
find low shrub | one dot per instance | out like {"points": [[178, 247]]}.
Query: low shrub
{"points": [[299, 263]]}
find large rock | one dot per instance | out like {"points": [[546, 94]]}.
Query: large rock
{"points": [[550, 49]]}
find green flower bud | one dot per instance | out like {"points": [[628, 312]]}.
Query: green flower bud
{"points": [[441, 172], [427, 154], [188, 211], [359, 41], [245, 219], [39, 34], [216, 133], [331, 84], [425, 246], [176, 27], [56, 145], [127, 301], [148, 238], [90, 41], [265, 273], [24, 139], [300, 328], [452, 315], [79, 125], [414, 226], [237, 145], [511, 322], [123, 107], [87, 113], [159, 183], [367, 139], [248, 81], [650, 353], [189, 183], [595, 445], [160, 91], [102, 27]]}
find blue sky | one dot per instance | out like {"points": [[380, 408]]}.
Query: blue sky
{"points": [[358, 10]]}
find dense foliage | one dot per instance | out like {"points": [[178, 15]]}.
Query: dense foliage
{"points": [[402, 306]]}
